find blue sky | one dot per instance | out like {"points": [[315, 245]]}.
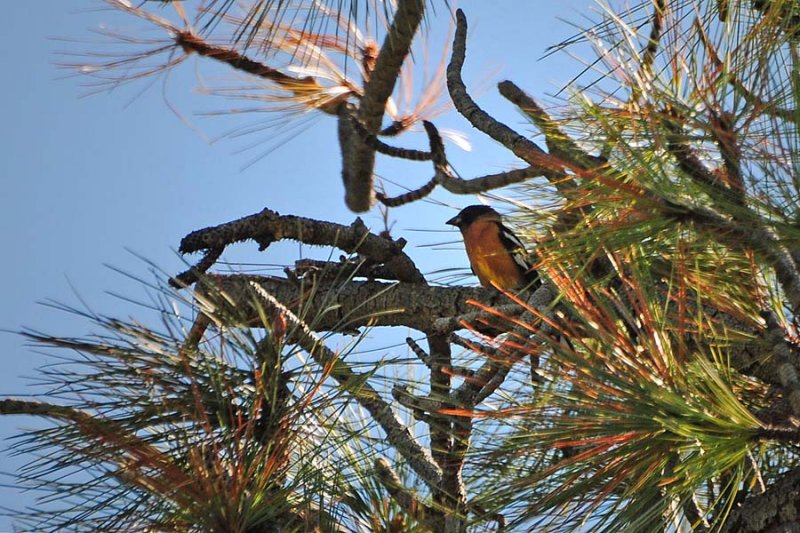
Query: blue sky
{"points": [[88, 179]]}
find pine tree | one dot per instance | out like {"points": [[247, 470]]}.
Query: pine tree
{"points": [[649, 384]]}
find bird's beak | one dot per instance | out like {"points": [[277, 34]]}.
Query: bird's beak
{"points": [[455, 221]]}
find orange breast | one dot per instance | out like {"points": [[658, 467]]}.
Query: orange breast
{"points": [[489, 258]]}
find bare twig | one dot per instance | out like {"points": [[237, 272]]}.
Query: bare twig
{"points": [[650, 51], [268, 226], [558, 143], [444, 176], [694, 515], [422, 404], [521, 146], [421, 354], [489, 182], [190, 277], [373, 142], [407, 198]]}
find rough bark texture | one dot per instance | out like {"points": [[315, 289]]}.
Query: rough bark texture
{"points": [[776, 510], [268, 226], [343, 307], [359, 159], [521, 146]]}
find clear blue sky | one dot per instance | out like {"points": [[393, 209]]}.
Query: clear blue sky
{"points": [[87, 177]]}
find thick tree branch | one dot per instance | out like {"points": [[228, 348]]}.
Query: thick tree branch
{"points": [[784, 361], [359, 159], [344, 306], [777, 509], [345, 268]]}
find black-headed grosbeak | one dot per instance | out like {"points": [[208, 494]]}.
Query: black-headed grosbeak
{"points": [[496, 255]]}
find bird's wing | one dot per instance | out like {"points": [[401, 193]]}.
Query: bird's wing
{"points": [[518, 252]]}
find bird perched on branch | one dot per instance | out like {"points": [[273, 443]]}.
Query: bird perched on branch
{"points": [[496, 255]]}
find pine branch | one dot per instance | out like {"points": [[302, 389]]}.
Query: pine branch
{"points": [[737, 234], [653, 42], [721, 191], [558, 143], [193, 43], [494, 371], [116, 443], [403, 497], [396, 433]]}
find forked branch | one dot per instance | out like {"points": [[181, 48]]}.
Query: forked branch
{"points": [[521, 146], [358, 159], [269, 226]]}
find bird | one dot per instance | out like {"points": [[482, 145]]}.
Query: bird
{"points": [[497, 257], [495, 253]]}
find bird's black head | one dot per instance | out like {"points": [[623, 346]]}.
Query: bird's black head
{"points": [[470, 213]]}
